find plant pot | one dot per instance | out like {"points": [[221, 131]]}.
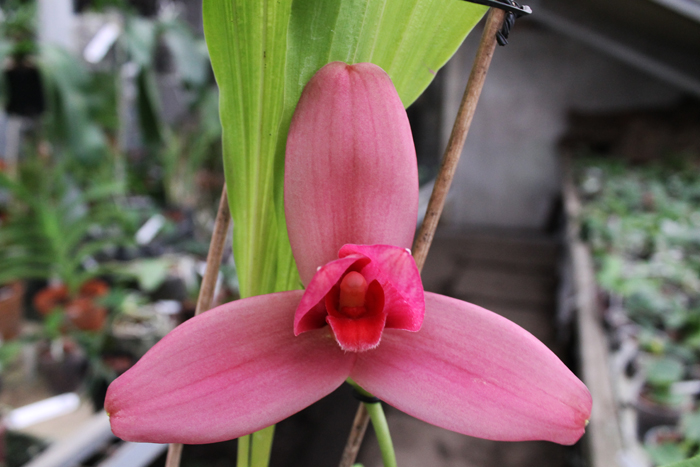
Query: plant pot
{"points": [[63, 374], [85, 314], [94, 288], [651, 414], [49, 298], [664, 444], [25, 90], [11, 305]]}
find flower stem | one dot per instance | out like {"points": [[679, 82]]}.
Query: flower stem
{"points": [[381, 429], [243, 459], [260, 447], [442, 185]]}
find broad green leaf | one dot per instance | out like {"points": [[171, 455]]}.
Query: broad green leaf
{"points": [[410, 39], [263, 53], [247, 45]]}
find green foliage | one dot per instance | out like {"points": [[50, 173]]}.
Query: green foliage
{"points": [[54, 225], [263, 53], [73, 101], [666, 453], [19, 27], [694, 462], [664, 371], [643, 224]]}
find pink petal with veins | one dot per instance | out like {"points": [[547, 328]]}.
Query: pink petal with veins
{"points": [[396, 270], [226, 373], [474, 372], [350, 169]]}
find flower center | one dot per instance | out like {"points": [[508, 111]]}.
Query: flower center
{"points": [[356, 312]]}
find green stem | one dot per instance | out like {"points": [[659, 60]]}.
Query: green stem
{"points": [[381, 427], [243, 451], [261, 445], [254, 450]]}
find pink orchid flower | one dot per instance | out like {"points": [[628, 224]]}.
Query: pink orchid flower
{"points": [[351, 197]]}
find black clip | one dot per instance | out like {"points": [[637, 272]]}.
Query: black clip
{"points": [[363, 398], [506, 5], [513, 11]]}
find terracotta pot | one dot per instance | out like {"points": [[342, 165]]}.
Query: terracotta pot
{"points": [[11, 307], [82, 311], [94, 288], [49, 298], [85, 314]]}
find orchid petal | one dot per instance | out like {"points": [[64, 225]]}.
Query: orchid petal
{"points": [[309, 314], [396, 270], [474, 372], [226, 373], [350, 169]]}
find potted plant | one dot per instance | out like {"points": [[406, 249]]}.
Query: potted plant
{"points": [[658, 404], [642, 227], [54, 231]]}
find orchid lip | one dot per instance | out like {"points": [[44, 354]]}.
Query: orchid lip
{"points": [[369, 288]]}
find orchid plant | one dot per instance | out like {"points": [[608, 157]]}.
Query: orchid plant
{"points": [[262, 54], [351, 196]]}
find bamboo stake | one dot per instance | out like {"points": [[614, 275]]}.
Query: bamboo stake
{"points": [[206, 292], [426, 233]]}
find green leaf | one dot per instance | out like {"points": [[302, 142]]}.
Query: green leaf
{"points": [[690, 424], [150, 273], [410, 39], [247, 45], [664, 371], [263, 53], [140, 40], [694, 462], [148, 104], [68, 121], [191, 61]]}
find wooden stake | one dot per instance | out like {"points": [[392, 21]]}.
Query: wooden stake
{"points": [[206, 292], [458, 136], [424, 239]]}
